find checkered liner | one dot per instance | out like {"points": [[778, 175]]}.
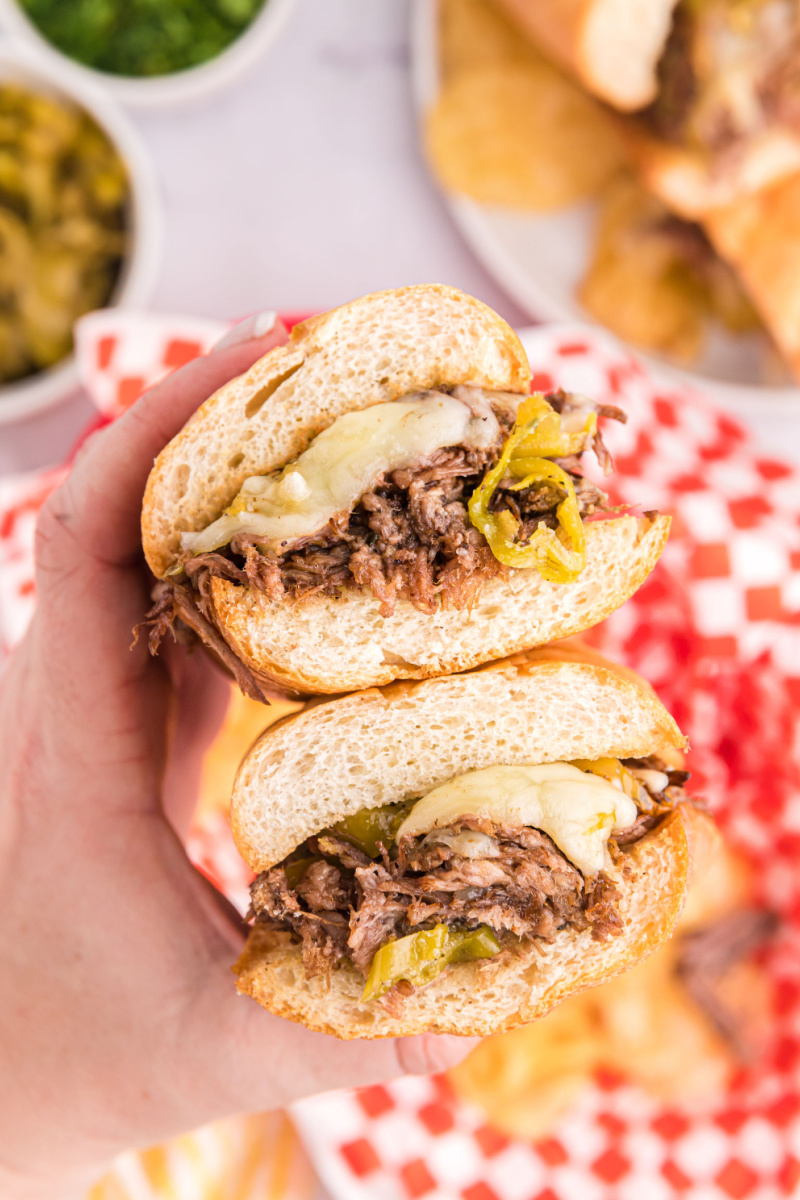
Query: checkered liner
{"points": [[120, 354], [717, 630]]}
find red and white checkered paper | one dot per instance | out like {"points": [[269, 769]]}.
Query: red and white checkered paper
{"points": [[717, 631]]}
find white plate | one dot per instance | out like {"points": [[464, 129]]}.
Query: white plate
{"points": [[538, 259], [163, 90], [19, 63]]}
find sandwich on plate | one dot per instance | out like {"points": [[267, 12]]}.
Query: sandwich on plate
{"points": [[460, 854], [382, 498], [715, 85]]}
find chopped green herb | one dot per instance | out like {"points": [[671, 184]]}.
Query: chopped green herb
{"points": [[142, 37]]}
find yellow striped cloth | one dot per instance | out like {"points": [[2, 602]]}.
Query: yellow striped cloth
{"points": [[245, 1158]]}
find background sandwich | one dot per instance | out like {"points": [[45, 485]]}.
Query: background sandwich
{"points": [[381, 499], [715, 85], [461, 854]]}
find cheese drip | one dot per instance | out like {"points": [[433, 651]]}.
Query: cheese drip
{"points": [[341, 464], [576, 809]]}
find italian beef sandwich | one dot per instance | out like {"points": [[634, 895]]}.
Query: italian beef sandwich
{"points": [[712, 86], [382, 499], [460, 854]]}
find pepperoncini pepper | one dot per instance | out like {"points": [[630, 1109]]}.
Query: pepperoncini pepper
{"points": [[366, 828], [536, 437], [420, 957]]}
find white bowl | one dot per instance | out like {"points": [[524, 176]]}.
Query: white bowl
{"points": [[158, 91], [18, 62], [539, 259]]}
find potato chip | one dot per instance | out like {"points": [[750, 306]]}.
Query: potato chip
{"points": [[521, 135]]}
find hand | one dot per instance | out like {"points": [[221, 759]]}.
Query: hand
{"points": [[120, 1024]]}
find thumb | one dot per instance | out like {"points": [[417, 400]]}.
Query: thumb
{"points": [[254, 1060], [432, 1053]]}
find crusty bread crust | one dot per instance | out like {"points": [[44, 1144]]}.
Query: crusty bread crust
{"points": [[371, 351], [612, 46], [759, 236], [393, 743], [326, 645], [693, 184], [477, 999]]}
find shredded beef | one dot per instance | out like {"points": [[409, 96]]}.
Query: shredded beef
{"points": [[177, 607], [409, 538], [346, 905]]}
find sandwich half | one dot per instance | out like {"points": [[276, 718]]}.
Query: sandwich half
{"points": [[759, 236], [612, 46], [380, 499], [461, 854], [726, 120], [713, 86]]}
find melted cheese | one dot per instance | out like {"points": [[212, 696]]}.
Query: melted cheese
{"points": [[576, 809], [340, 465]]}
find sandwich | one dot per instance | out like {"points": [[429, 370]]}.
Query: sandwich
{"points": [[613, 47], [383, 499], [714, 84], [759, 237], [460, 854]]}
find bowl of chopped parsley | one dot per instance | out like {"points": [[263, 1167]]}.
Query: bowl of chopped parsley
{"points": [[151, 52]]}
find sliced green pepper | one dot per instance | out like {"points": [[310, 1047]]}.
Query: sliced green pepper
{"points": [[544, 550], [372, 825], [420, 957]]}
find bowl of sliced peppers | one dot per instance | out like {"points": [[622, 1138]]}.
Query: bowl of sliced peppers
{"points": [[79, 224]]}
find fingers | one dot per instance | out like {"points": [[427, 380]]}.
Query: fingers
{"points": [[202, 694], [97, 510], [432, 1053], [255, 1060]]}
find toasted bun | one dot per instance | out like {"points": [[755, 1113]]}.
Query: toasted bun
{"points": [[612, 46], [478, 999], [389, 744], [368, 352], [760, 237], [393, 743], [327, 645], [692, 184]]}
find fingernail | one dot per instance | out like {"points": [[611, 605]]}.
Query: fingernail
{"points": [[257, 326]]}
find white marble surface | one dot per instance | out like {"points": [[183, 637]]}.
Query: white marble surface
{"points": [[301, 186]]}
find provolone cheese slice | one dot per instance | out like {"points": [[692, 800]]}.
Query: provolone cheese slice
{"points": [[341, 464], [576, 809]]}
